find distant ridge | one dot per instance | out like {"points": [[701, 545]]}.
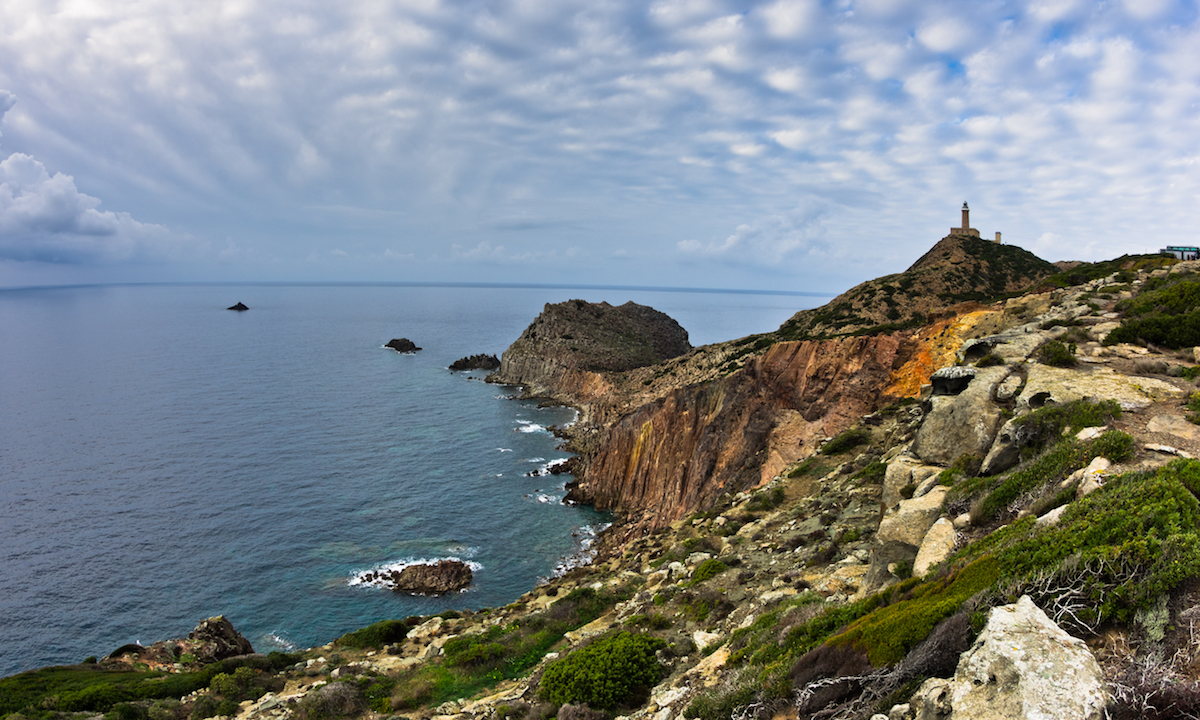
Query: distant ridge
{"points": [[959, 268]]}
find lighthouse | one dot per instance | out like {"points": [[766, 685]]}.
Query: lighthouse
{"points": [[966, 228]]}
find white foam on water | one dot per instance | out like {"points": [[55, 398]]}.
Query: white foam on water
{"points": [[586, 539], [535, 459], [278, 641], [504, 449], [529, 426]]}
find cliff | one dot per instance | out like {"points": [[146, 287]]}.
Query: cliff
{"points": [[568, 349], [680, 453]]}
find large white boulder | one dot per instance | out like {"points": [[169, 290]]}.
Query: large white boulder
{"points": [[1021, 666]]}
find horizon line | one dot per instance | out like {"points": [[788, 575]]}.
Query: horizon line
{"points": [[484, 285]]}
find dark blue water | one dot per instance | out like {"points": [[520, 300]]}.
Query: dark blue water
{"points": [[163, 460]]}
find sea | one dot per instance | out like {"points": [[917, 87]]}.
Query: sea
{"points": [[164, 460]]}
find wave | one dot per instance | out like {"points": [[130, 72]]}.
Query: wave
{"points": [[277, 641], [546, 468], [359, 579], [529, 426], [585, 553]]}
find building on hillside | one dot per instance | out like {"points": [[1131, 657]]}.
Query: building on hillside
{"points": [[966, 228], [1183, 252]]}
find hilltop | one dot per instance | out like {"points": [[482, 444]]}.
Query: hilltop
{"points": [[959, 268]]}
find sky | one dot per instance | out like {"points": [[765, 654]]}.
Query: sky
{"points": [[799, 145]]}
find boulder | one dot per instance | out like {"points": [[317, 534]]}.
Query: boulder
{"points": [[215, 639], [1004, 453], [952, 380], [239, 307], [403, 345], [899, 538], [963, 424], [1021, 666], [476, 362], [436, 578], [902, 472], [1047, 385], [936, 547]]}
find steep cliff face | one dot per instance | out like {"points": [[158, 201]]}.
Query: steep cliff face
{"points": [[570, 347], [681, 452]]}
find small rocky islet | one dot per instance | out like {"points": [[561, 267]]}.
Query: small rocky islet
{"points": [[898, 506]]}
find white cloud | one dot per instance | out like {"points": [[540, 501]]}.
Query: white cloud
{"points": [[46, 218], [768, 241]]}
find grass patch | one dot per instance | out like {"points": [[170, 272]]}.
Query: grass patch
{"points": [[95, 688], [472, 663]]}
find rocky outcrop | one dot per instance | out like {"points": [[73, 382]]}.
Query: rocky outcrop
{"points": [[476, 362], [437, 578], [216, 640], [678, 454], [402, 345], [570, 344], [1021, 666], [900, 537], [962, 424], [213, 639], [239, 307]]}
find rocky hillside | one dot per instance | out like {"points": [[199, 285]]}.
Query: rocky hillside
{"points": [[1016, 535], [958, 268]]}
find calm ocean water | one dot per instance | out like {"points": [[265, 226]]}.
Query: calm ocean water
{"points": [[163, 460]]}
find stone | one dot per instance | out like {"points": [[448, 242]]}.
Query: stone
{"points": [[1196, 354], [239, 307], [1090, 433], [436, 578], [1174, 425], [1052, 517], [1166, 450], [936, 547], [962, 521], [900, 536], [1021, 666], [963, 424], [1008, 388], [1047, 385], [218, 640], [902, 472], [1004, 453], [402, 345], [704, 639], [952, 380]]}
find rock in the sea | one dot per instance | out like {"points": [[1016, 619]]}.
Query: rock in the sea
{"points": [[239, 307], [403, 345], [216, 639], [431, 579], [1021, 666], [476, 362]]}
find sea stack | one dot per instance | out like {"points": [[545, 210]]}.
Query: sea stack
{"points": [[240, 307], [402, 345]]}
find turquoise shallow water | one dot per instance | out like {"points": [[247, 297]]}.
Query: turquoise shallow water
{"points": [[163, 460]]}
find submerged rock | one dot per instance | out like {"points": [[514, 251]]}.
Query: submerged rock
{"points": [[239, 307], [403, 345]]}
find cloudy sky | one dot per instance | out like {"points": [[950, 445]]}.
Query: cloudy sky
{"points": [[785, 144]]}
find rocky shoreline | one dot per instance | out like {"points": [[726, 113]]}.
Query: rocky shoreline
{"points": [[926, 522]]}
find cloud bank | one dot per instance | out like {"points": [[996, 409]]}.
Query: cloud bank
{"points": [[46, 218], [683, 136]]}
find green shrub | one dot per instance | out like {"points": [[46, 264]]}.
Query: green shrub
{"points": [[872, 474], [1058, 354], [616, 671], [846, 440], [384, 632], [989, 360], [708, 569]]}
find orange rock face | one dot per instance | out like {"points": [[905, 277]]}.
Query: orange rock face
{"points": [[678, 454]]}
